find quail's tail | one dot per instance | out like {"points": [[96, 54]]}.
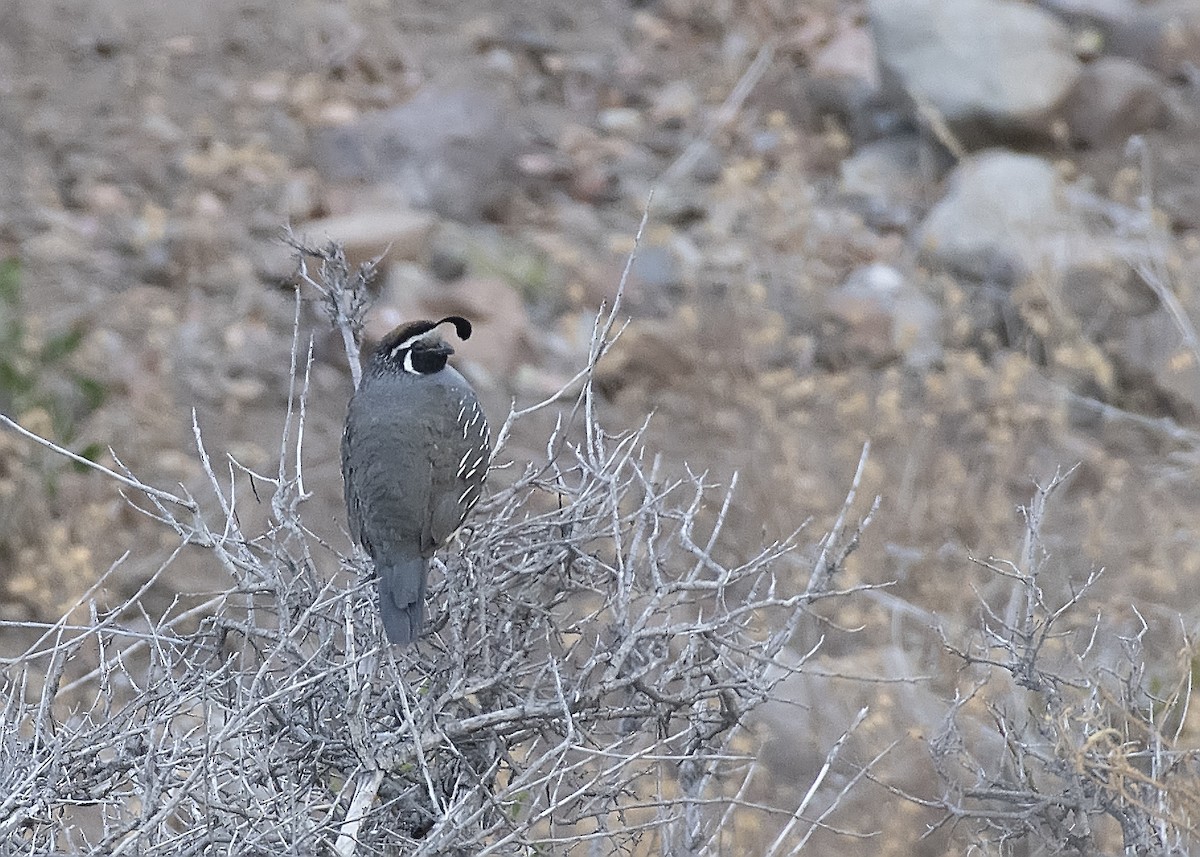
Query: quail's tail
{"points": [[402, 598]]}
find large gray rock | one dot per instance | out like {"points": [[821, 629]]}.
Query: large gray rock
{"points": [[1007, 218], [991, 69], [994, 222], [451, 149], [374, 232]]}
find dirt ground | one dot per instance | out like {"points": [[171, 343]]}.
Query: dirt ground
{"points": [[154, 150]]}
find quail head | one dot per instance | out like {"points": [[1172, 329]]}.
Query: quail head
{"points": [[414, 456]]}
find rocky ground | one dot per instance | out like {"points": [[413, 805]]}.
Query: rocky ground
{"points": [[976, 248]]}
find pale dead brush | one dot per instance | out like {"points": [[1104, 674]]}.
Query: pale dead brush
{"points": [[589, 669], [1064, 742]]}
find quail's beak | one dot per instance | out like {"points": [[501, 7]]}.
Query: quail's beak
{"points": [[437, 346]]}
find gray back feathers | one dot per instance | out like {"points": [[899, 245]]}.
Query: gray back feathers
{"points": [[415, 453]]}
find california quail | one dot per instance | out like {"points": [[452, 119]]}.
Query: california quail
{"points": [[414, 455]]}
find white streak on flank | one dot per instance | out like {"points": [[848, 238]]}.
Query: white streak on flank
{"points": [[468, 471], [473, 416]]}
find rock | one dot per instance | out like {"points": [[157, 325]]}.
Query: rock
{"points": [[298, 198], [845, 80], [622, 121], [1115, 98], [655, 267], [275, 263], [1086, 12], [1152, 353], [1177, 181], [1008, 217], [1163, 36], [451, 149], [595, 184], [544, 166], [785, 758], [991, 222], [989, 68], [709, 162], [105, 199], [680, 204], [881, 317], [997, 216], [803, 695], [371, 232], [675, 104], [849, 54], [885, 181], [1091, 275], [447, 263]]}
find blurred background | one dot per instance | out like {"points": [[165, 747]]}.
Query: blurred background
{"points": [[965, 230]]}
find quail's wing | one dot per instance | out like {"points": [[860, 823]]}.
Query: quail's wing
{"points": [[461, 458]]}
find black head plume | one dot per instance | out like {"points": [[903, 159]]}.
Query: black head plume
{"points": [[462, 327]]}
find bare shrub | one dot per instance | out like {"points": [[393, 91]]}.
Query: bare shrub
{"points": [[1065, 743], [590, 662]]}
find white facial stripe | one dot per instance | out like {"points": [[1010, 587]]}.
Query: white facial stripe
{"points": [[411, 341], [407, 344], [408, 366]]}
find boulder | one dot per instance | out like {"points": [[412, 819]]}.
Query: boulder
{"points": [[990, 69]]}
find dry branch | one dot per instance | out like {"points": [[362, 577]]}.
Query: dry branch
{"points": [[589, 662], [1071, 737]]}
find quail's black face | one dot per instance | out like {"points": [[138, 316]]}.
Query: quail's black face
{"points": [[417, 347]]}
